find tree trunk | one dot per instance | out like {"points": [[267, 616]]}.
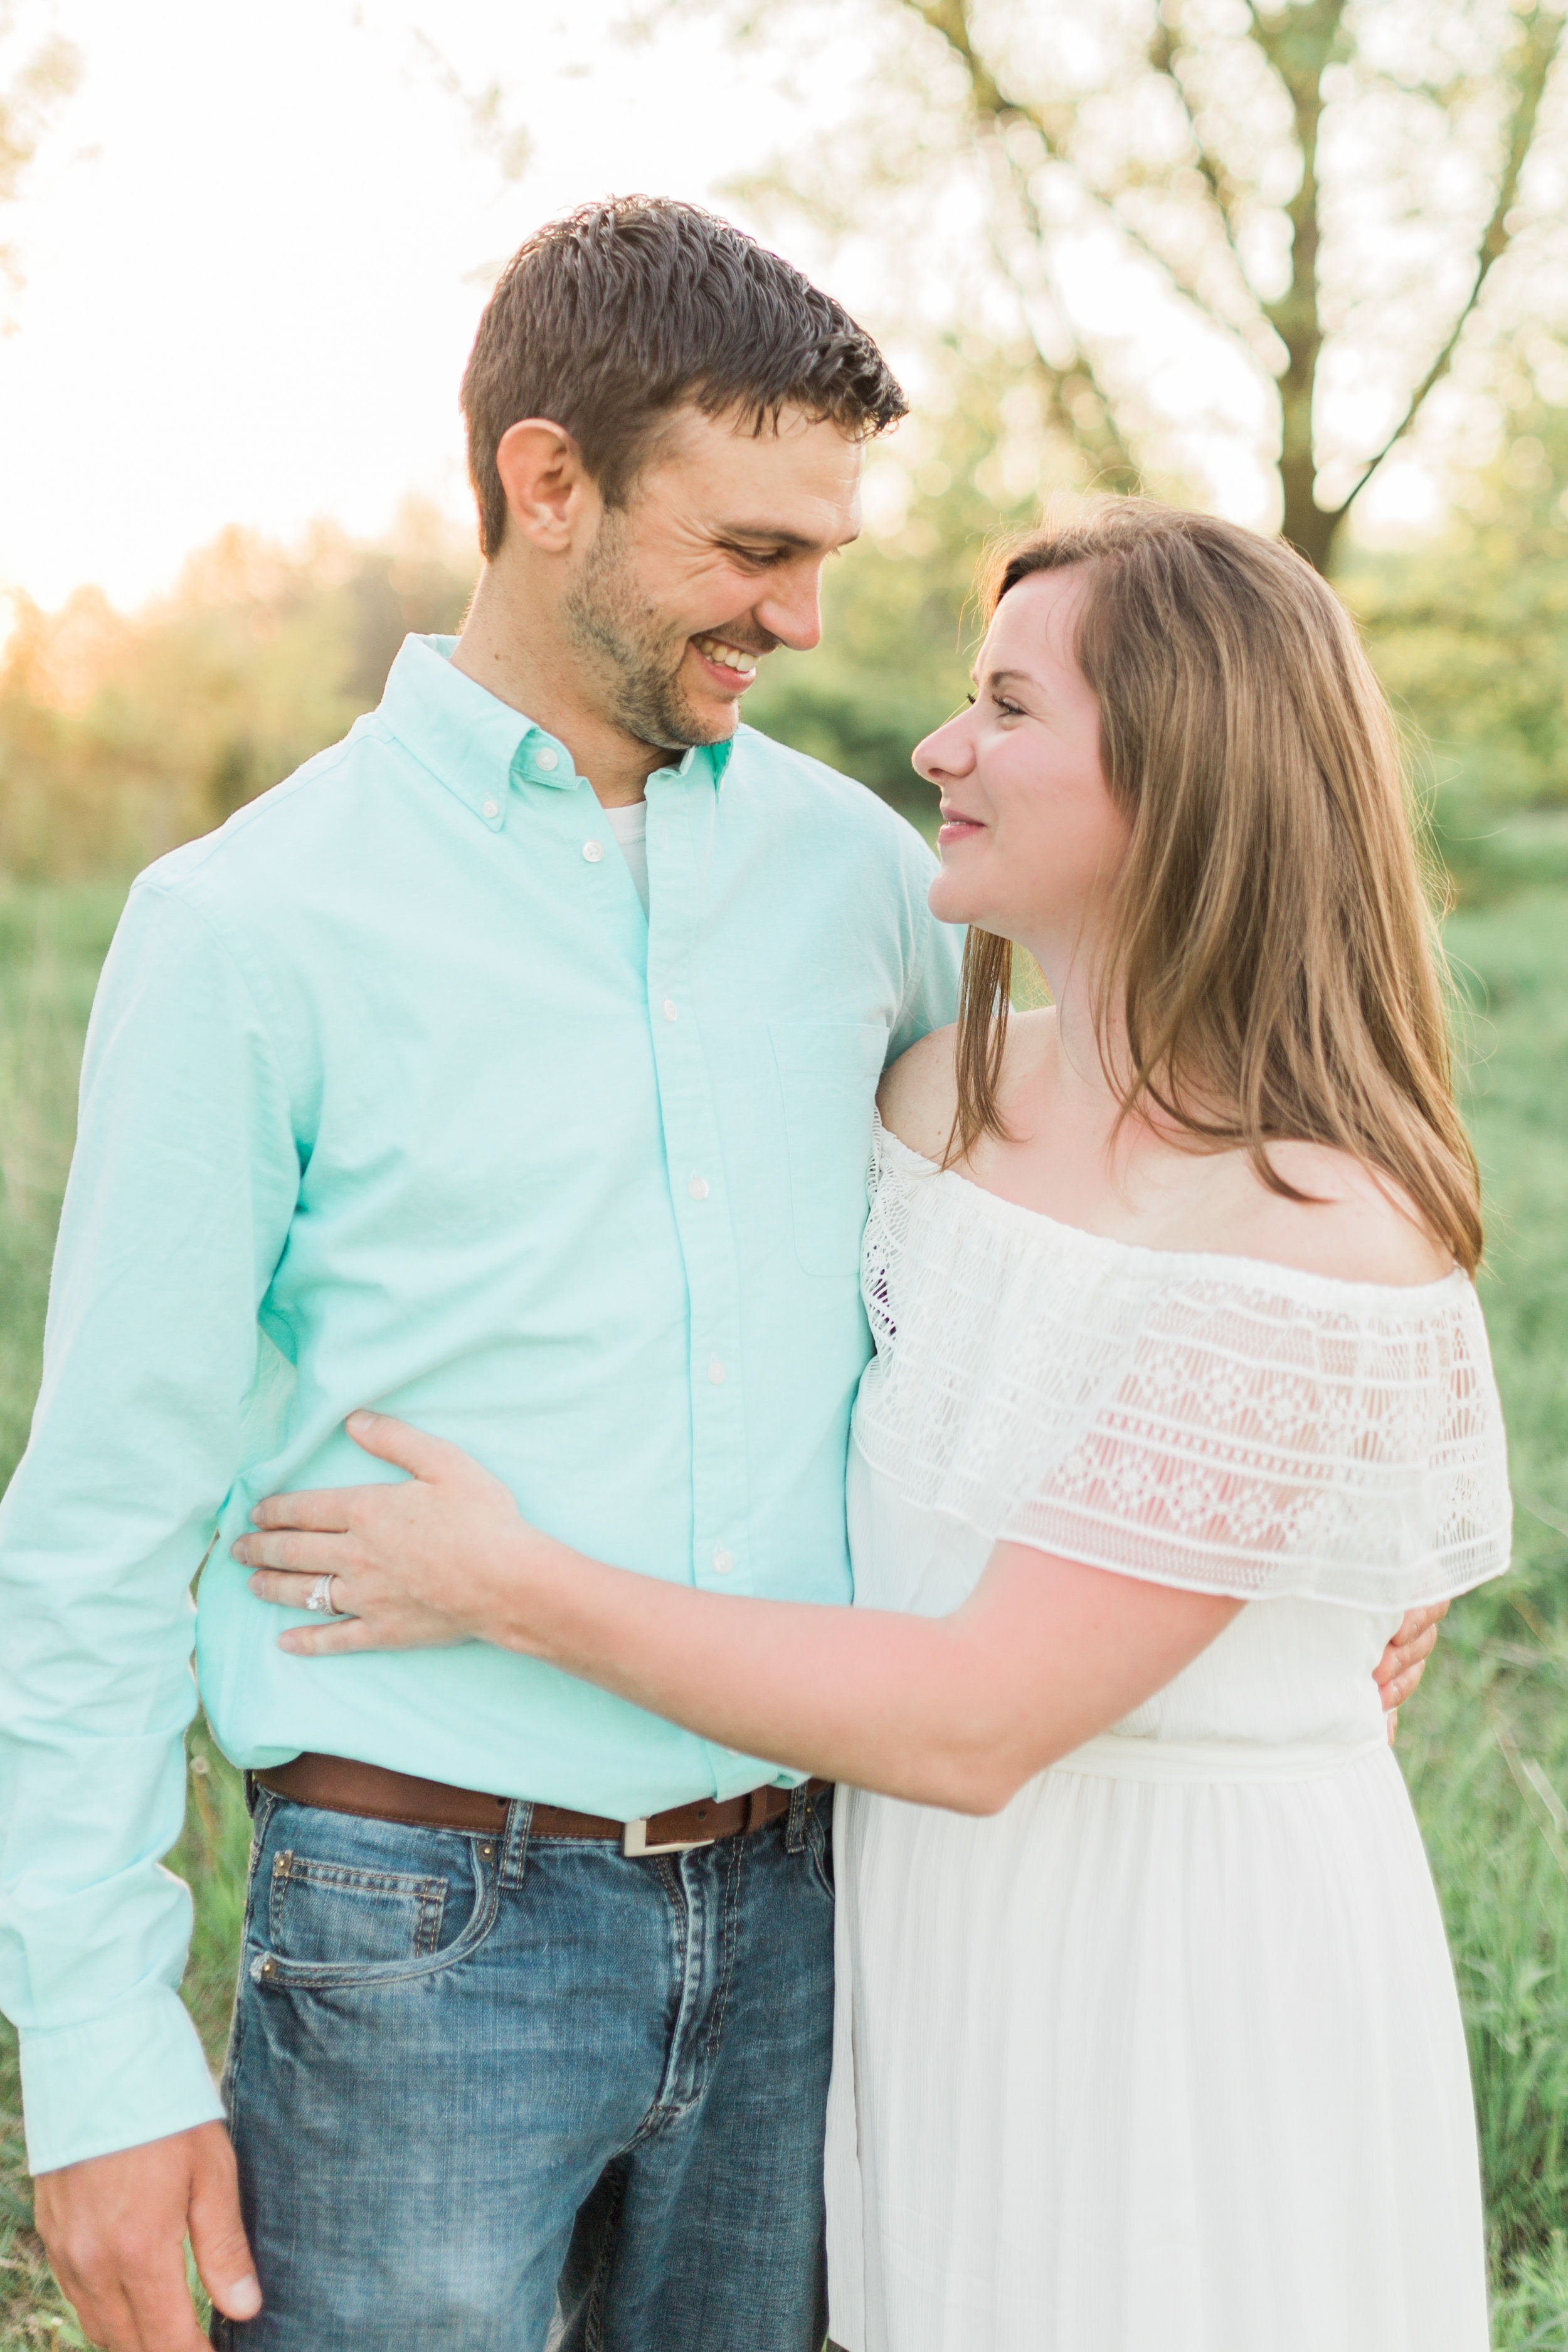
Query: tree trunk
{"points": [[1308, 529]]}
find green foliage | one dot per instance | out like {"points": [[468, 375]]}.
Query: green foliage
{"points": [[118, 738], [52, 941], [1485, 1747], [1470, 638]]}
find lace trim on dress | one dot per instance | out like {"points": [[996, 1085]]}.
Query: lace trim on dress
{"points": [[1198, 1419]]}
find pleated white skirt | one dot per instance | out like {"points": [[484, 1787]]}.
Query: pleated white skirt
{"points": [[1154, 2061]]}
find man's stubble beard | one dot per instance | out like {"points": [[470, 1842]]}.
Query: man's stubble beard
{"points": [[620, 632]]}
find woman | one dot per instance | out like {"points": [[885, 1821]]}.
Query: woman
{"points": [[1147, 2028]]}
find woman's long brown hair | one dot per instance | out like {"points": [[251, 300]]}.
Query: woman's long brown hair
{"points": [[1271, 937]]}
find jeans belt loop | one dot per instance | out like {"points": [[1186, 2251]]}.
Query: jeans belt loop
{"points": [[795, 1832], [514, 1846]]}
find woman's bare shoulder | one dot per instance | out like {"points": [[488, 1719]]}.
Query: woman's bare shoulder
{"points": [[918, 1094], [1353, 1223]]}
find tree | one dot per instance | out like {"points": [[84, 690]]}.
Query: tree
{"points": [[37, 86], [1466, 628], [1470, 638], [1329, 193], [119, 737]]}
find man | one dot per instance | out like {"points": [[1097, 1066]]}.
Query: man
{"points": [[511, 1067], [395, 1096]]}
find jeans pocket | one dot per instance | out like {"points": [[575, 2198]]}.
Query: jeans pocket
{"points": [[828, 1073], [343, 1901], [330, 1911]]}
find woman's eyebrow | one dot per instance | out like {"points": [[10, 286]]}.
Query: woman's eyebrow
{"points": [[1003, 677]]}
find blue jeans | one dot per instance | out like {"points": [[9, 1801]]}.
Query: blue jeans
{"points": [[470, 2074]]}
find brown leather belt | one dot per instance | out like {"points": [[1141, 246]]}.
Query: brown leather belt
{"points": [[339, 1785]]}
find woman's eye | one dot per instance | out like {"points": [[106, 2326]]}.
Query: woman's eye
{"points": [[1008, 709]]}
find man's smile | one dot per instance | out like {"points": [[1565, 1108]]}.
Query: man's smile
{"points": [[738, 665]]}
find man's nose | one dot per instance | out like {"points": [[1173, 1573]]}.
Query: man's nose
{"points": [[791, 610]]}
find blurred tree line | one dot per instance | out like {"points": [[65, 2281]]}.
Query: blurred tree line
{"points": [[121, 736]]}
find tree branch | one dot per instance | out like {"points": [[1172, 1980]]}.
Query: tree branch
{"points": [[999, 112], [1165, 52], [1298, 42], [1540, 38], [1107, 446]]}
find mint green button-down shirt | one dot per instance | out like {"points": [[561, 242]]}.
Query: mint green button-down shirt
{"points": [[393, 1095]]}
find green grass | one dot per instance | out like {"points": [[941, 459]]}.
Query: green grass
{"points": [[1485, 1747]]}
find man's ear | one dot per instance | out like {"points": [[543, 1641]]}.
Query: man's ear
{"points": [[548, 488]]}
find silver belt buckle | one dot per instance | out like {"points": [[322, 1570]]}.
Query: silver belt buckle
{"points": [[633, 1840]]}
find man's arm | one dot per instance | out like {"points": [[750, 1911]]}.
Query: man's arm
{"points": [[930, 992], [181, 1192]]}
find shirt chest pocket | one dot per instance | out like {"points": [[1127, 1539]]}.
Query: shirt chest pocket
{"points": [[828, 1073]]}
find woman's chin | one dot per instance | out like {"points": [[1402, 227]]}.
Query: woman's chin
{"points": [[948, 899], [951, 900]]}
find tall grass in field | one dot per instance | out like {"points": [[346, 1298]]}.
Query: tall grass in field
{"points": [[1485, 1747]]}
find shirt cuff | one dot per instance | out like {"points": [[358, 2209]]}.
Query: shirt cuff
{"points": [[136, 2073]]}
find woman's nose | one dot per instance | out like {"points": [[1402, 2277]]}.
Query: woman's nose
{"points": [[947, 752]]}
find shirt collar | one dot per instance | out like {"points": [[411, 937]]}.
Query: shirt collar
{"points": [[477, 746]]}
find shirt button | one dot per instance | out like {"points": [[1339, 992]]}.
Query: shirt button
{"points": [[492, 808], [715, 1373], [697, 1188], [724, 1561], [593, 851], [669, 1012], [547, 760]]}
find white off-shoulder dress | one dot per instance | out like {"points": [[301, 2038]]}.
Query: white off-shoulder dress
{"points": [[1167, 2056]]}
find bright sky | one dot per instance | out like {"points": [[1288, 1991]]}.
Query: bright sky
{"points": [[257, 242]]}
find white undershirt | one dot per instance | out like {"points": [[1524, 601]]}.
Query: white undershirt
{"points": [[629, 826]]}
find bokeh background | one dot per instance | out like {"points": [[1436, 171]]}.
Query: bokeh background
{"points": [[1305, 263]]}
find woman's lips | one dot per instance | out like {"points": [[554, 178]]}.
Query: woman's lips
{"points": [[954, 829]]}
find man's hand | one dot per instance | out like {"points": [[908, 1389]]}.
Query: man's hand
{"points": [[115, 2228], [1404, 1662]]}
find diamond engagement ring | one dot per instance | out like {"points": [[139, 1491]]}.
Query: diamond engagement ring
{"points": [[320, 1597]]}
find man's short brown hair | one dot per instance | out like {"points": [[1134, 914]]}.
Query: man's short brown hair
{"points": [[607, 319]]}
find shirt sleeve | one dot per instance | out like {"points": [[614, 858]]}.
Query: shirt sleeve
{"points": [[182, 1184], [931, 998]]}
